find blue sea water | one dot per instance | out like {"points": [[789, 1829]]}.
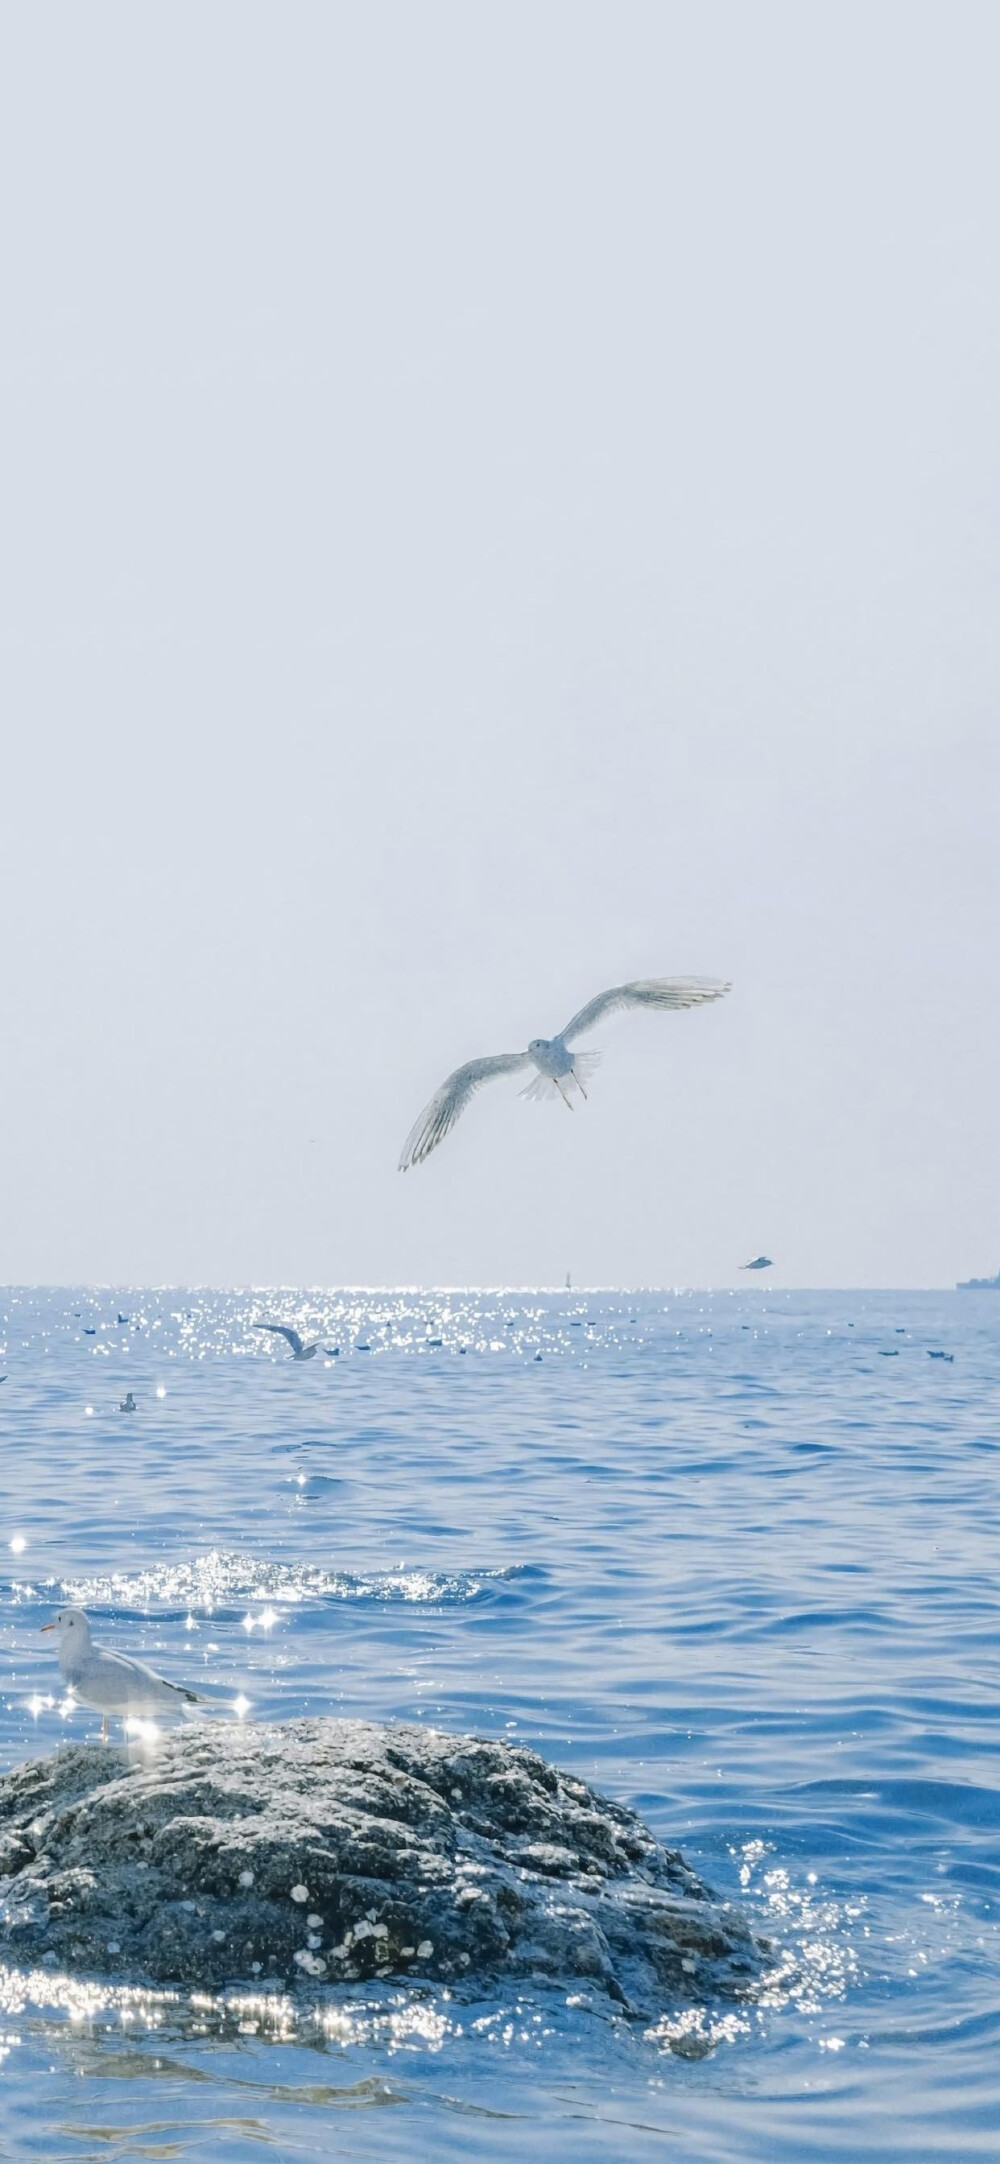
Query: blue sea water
{"points": [[733, 1558]]}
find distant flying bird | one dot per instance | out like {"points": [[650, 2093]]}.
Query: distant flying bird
{"points": [[128, 1404], [281, 1329], [112, 1683], [553, 1058], [760, 1262]]}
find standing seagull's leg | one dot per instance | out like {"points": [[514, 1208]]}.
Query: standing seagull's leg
{"points": [[104, 1729]]}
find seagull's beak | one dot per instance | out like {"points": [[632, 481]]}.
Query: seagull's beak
{"points": [[48, 1627]]}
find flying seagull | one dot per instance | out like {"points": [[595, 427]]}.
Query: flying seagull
{"points": [[557, 1065], [760, 1262], [281, 1329], [113, 1683]]}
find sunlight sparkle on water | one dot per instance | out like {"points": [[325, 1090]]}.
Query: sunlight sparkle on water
{"points": [[463, 1541], [144, 1731], [214, 1580]]}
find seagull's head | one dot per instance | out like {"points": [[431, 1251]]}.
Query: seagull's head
{"points": [[70, 1623], [539, 1045]]}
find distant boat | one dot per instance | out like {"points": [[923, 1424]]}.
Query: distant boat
{"points": [[760, 1262], [979, 1284]]}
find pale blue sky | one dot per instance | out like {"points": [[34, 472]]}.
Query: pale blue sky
{"points": [[497, 500]]}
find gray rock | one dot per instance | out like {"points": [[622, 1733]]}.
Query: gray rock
{"points": [[328, 1851]]}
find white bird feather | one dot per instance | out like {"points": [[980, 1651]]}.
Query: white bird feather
{"points": [[113, 1683], [662, 992], [449, 1102], [553, 1058], [300, 1350]]}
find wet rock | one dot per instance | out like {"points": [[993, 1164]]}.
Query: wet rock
{"points": [[329, 1851]]}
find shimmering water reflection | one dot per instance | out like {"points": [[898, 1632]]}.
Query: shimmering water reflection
{"points": [[732, 1558]]}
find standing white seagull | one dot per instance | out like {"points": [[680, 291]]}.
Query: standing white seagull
{"points": [[300, 1351], [553, 1058], [113, 1683]]}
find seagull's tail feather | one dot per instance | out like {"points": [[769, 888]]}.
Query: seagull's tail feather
{"points": [[196, 1707], [540, 1087], [190, 1699]]}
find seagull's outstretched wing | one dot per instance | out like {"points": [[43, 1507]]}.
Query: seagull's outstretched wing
{"points": [[281, 1329], [450, 1101], [645, 992]]}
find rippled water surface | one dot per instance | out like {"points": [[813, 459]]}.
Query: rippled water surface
{"points": [[733, 1558]]}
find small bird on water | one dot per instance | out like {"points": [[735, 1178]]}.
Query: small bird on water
{"points": [[128, 1404], [557, 1066], [300, 1350], [113, 1683]]}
